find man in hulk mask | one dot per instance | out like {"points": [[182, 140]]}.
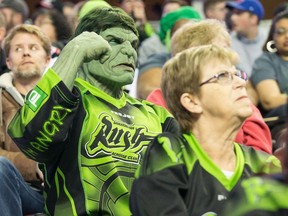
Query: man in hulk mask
{"points": [[79, 124]]}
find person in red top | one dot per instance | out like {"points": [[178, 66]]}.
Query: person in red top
{"points": [[254, 131]]}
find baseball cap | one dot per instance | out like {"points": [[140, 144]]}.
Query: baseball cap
{"points": [[252, 6], [16, 5]]}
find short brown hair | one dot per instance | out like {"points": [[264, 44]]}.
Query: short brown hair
{"points": [[182, 73], [30, 29], [196, 33]]}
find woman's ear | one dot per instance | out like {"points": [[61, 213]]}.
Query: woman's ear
{"points": [[191, 103]]}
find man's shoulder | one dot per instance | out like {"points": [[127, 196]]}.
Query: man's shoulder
{"points": [[8, 91], [150, 107], [156, 60], [152, 40], [6, 79], [150, 46], [234, 36]]}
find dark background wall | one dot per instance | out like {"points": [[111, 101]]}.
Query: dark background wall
{"points": [[153, 6]]}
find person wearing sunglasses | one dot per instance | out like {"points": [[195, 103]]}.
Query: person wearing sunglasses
{"points": [[194, 172]]}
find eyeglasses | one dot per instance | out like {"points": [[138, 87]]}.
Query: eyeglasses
{"points": [[226, 77], [281, 31]]}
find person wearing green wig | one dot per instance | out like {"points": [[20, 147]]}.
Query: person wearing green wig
{"points": [[150, 71], [168, 21], [87, 133]]}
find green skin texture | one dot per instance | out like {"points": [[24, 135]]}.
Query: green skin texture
{"points": [[106, 61]]}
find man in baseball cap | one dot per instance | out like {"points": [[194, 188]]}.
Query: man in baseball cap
{"points": [[15, 12], [247, 38], [252, 6]]}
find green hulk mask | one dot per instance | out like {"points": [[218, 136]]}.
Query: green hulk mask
{"points": [[120, 31], [120, 66], [102, 52]]}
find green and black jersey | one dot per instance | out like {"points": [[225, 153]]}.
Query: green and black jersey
{"points": [[90, 144], [259, 196], [178, 178]]}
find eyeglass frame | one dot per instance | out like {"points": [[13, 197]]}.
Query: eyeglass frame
{"points": [[238, 73]]}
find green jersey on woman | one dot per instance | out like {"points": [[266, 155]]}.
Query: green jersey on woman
{"points": [[259, 196], [177, 177]]}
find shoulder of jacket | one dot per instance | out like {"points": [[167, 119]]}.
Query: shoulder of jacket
{"points": [[6, 80]]}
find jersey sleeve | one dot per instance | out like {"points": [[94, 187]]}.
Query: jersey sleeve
{"points": [[263, 196], [168, 122], [41, 127], [260, 162], [161, 182]]}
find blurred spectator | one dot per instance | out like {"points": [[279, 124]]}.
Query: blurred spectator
{"points": [[172, 5], [2, 27], [154, 44], [280, 7], [215, 9], [3, 66], [15, 12], [281, 144], [27, 55], [228, 20], [136, 9], [68, 8], [70, 13], [247, 37], [51, 4], [269, 75], [54, 25], [150, 72], [78, 6]]}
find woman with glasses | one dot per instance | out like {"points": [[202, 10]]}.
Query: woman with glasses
{"points": [[193, 173], [254, 131], [270, 70]]}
